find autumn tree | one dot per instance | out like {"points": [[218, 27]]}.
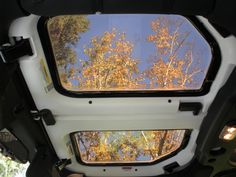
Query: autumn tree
{"points": [[174, 66], [64, 33], [127, 146], [10, 168], [110, 65]]}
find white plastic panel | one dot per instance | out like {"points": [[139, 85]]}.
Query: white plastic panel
{"points": [[75, 114]]}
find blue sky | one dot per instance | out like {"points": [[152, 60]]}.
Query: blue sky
{"points": [[137, 28]]}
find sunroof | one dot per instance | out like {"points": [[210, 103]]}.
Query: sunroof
{"points": [[99, 147], [128, 53]]}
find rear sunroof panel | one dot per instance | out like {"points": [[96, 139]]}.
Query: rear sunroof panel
{"points": [[131, 53], [118, 147]]}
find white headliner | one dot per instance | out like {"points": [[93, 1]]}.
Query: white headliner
{"points": [[74, 114]]}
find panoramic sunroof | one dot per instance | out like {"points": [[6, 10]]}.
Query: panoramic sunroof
{"points": [[117, 147], [128, 53]]}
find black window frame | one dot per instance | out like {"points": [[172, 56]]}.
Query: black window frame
{"points": [[183, 145], [209, 78]]}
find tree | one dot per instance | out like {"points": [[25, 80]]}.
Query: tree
{"points": [[174, 66], [110, 65], [64, 32], [127, 146], [10, 168]]}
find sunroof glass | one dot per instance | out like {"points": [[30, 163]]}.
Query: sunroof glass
{"points": [[99, 147], [128, 52]]}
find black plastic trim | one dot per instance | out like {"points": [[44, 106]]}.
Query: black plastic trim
{"points": [[195, 107], [46, 115], [10, 54], [226, 173], [221, 30], [171, 167]]}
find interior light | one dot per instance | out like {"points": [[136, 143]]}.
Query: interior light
{"points": [[231, 130], [228, 133], [228, 136]]}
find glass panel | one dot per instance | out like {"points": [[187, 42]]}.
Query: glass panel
{"points": [[128, 52], [9, 163], [8, 167], [127, 146]]}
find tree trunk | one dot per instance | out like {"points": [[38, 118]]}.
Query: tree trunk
{"points": [[161, 144]]}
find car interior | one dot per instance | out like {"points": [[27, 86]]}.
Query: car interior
{"points": [[119, 88]]}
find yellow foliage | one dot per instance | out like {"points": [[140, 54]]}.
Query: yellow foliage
{"points": [[127, 146], [175, 73], [110, 65]]}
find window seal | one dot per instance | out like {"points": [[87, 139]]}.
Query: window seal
{"points": [[205, 89]]}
